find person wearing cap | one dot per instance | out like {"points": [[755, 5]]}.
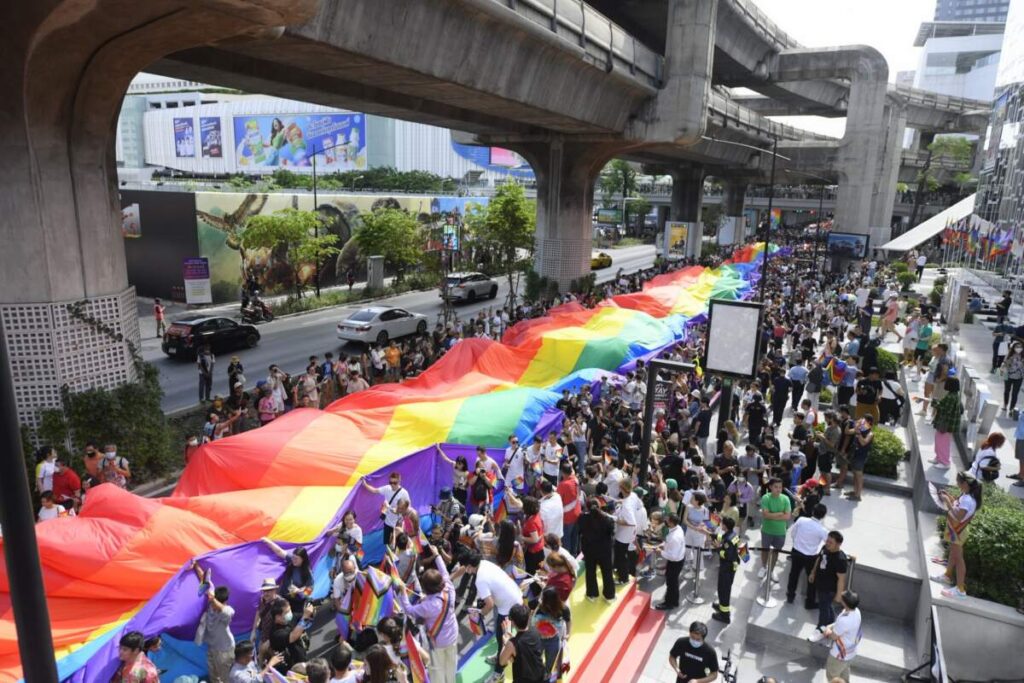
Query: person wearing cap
{"points": [[448, 508], [693, 660], [262, 622]]}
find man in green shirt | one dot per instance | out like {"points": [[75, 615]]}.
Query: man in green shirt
{"points": [[775, 512]]}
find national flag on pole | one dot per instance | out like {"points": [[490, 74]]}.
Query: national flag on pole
{"points": [[417, 670]]}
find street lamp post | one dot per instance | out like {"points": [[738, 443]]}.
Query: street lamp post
{"points": [[21, 551], [768, 226], [821, 213], [316, 205]]}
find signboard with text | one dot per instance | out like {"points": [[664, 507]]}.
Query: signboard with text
{"points": [[196, 273]]}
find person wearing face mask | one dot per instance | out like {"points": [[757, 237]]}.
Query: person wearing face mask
{"points": [[436, 611], [286, 636], [114, 469], [343, 582], [693, 660]]}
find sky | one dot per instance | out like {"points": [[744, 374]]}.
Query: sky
{"points": [[889, 26]]}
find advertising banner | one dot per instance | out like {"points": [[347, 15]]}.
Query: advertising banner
{"points": [[209, 131], [676, 233], [338, 140], [495, 159], [196, 273], [184, 138], [609, 216], [662, 394], [131, 223]]}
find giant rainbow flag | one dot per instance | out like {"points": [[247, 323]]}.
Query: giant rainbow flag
{"points": [[123, 564]]}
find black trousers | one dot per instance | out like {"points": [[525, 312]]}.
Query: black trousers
{"points": [[205, 386], [625, 562], [672, 571], [843, 395], [594, 561], [778, 408], [800, 565], [725, 579], [798, 393], [388, 534]]}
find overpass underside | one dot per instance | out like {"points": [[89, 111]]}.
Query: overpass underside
{"points": [[558, 82]]}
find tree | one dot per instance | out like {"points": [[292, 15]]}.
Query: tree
{"points": [[393, 234], [292, 235], [956, 148], [965, 181], [506, 228], [639, 208], [618, 176]]}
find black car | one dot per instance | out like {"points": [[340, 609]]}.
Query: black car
{"points": [[186, 336]]}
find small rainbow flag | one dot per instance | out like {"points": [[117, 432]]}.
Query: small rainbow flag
{"points": [[501, 512], [744, 553], [476, 623], [360, 555], [835, 369], [390, 566], [417, 669], [714, 521], [419, 540], [376, 601]]}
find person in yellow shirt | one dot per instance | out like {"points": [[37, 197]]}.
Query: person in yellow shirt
{"points": [[393, 356]]}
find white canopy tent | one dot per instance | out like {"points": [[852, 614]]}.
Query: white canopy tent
{"points": [[931, 227]]}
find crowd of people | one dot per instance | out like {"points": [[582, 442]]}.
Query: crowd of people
{"points": [[500, 550]]}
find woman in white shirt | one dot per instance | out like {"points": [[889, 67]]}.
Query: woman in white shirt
{"points": [[986, 454], [695, 517], [959, 513]]}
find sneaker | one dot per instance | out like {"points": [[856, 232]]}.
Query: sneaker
{"points": [[939, 560], [817, 636], [496, 677], [954, 592], [491, 659], [762, 572], [943, 579], [689, 574], [590, 599]]}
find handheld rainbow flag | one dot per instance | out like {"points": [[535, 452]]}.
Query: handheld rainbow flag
{"points": [[501, 512], [744, 553], [476, 623], [417, 670], [419, 541], [835, 369]]}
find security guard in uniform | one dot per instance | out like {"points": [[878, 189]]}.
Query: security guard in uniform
{"points": [[728, 545]]}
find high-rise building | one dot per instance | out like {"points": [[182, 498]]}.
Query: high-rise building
{"points": [[971, 10], [1000, 198], [959, 58]]}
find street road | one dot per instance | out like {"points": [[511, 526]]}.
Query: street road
{"points": [[290, 342]]}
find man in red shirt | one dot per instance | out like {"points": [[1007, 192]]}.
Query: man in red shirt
{"points": [[67, 486], [569, 492]]}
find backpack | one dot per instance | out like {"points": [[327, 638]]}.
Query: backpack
{"points": [[989, 468]]}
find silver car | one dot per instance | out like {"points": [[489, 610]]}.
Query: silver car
{"points": [[381, 323], [470, 287]]}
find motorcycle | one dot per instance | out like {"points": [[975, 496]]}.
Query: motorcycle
{"points": [[257, 311]]}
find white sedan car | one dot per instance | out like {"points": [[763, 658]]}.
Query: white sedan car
{"points": [[380, 323]]}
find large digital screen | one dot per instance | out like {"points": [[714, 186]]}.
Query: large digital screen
{"points": [[495, 159], [847, 244], [609, 216], [733, 336], [338, 140]]}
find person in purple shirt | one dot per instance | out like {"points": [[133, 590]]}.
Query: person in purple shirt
{"points": [[437, 613]]}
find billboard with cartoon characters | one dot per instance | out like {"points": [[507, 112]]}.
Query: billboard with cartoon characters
{"points": [[290, 141]]}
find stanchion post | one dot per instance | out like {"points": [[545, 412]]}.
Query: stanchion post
{"points": [[767, 600], [694, 598]]}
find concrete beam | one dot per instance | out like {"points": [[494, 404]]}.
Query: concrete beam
{"points": [[861, 146], [678, 113]]}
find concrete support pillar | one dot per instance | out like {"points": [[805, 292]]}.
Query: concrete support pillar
{"points": [[884, 198], [678, 114], [861, 146], [566, 171], [70, 318], [687, 202], [734, 229]]}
